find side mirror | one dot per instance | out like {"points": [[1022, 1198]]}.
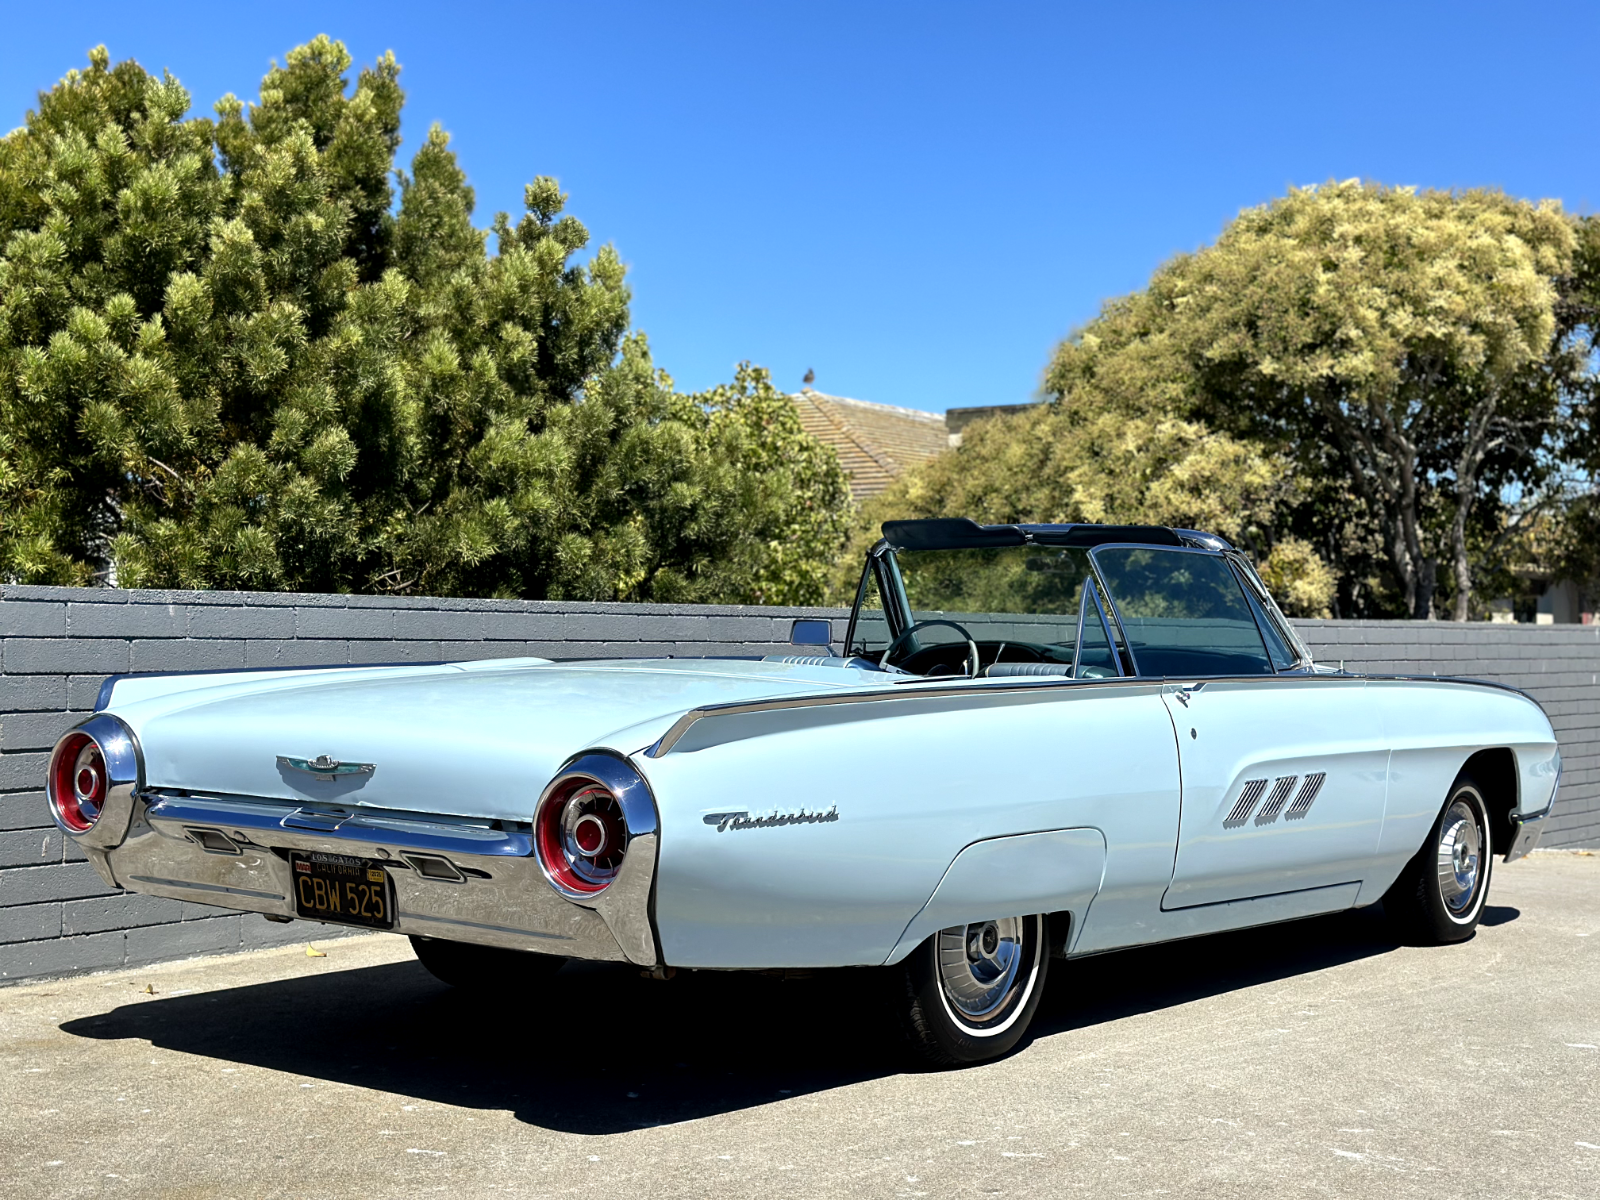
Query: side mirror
{"points": [[811, 633]]}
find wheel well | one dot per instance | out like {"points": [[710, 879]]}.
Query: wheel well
{"points": [[1495, 773], [1059, 926]]}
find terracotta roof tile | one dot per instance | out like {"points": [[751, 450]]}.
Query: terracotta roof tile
{"points": [[874, 442]]}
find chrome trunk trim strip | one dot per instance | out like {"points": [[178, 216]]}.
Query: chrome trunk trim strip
{"points": [[403, 833]]}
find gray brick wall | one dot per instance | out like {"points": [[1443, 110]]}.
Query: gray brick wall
{"points": [[57, 645], [1559, 665]]}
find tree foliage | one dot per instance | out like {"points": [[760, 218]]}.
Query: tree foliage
{"points": [[229, 358], [1111, 446], [1382, 382]]}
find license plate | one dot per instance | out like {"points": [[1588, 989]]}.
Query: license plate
{"points": [[351, 891]]}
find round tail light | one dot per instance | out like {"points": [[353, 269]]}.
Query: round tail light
{"points": [[77, 781], [581, 836]]}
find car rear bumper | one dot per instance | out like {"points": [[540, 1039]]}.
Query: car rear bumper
{"points": [[451, 879], [1525, 834]]}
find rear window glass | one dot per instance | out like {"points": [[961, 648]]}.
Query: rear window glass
{"points": [[1183, 612]]}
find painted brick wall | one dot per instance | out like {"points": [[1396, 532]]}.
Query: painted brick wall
{"points": [[57, 645], [1559, 665]]}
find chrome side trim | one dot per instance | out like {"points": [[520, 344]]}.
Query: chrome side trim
{"points": [[912, 689], [124, 778]]}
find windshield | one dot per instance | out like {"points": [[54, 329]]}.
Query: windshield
{"points": [[1040, 609], [1022, 606], [1183, 611], [1015, 593]]}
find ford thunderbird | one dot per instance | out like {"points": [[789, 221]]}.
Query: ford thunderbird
{"points": [[1035, 742]]}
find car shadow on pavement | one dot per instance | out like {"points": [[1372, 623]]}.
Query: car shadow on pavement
{"points": [[1129, 982], [1499, 914], [604, 1050]]}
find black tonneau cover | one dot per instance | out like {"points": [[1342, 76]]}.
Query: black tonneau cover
{"points": [[959, 533]]}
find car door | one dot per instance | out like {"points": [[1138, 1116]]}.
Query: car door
{"points": [[1283, 774]]}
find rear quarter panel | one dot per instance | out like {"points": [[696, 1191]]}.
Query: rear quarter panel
{"points": [[915, 782], [1433, 727]]}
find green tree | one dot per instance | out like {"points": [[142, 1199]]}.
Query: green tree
{"points": [[229, 358], [1399, 345], [1110, 446], [1373, 380]]}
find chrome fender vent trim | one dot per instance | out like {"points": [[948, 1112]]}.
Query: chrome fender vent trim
{"points": [[1281, 788], [1307, 797], [1245, 804]]}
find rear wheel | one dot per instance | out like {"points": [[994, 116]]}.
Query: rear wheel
{"points": [[1439, 897], [483, 968], [969, 992]]}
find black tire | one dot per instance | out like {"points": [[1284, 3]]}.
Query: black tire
{"points": [[483, 968], [1440, 894], [939, 997]]}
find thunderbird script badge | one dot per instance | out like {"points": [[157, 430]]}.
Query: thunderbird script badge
{"points": [[743, 820], [324, 767]]}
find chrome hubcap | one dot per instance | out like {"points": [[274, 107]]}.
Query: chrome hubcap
{"points": [[978, 964], [1460, 857]]}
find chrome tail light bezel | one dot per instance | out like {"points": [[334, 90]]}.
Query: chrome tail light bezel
{"points": [[122, 776], [618, 794]]}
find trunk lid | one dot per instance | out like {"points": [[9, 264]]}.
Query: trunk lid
{"points": [[474, 740]]}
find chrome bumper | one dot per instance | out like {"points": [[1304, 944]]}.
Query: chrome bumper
{"points": [[465, 882], [1526, 833]]}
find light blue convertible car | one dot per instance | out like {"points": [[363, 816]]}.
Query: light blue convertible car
{"points": [[1039, 742]]}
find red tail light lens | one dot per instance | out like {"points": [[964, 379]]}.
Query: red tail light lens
{"points": [[78, 781], [581, 836]]}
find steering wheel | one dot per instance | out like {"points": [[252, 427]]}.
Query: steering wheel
{"points": [[972, 646]]}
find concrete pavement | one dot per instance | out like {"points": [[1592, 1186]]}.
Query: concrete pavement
{"points": [[1316, 1059]]}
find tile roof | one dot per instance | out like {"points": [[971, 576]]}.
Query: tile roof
{"points": [[874, 442]]}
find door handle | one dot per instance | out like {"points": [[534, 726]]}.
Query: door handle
{"points": [[1184, 693]]}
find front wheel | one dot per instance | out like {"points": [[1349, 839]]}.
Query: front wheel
{"points": [[968, 993], [483, 968], [1439, 897]]}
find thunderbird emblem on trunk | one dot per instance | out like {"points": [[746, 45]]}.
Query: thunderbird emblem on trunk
{"points": [[324, 767]]}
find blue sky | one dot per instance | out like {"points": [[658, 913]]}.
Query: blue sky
{"points": [[918, 201]]}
